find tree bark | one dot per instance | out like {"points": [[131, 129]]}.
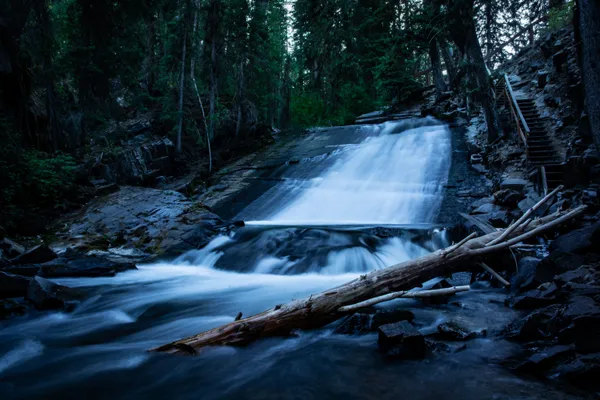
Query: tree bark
{"points": [[432, 7], [465, 36], [181, 91], [193, 76], [587, 23], [449, 62], [323, 308]]}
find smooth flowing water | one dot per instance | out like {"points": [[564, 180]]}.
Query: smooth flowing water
{"points": [[314, 230]]}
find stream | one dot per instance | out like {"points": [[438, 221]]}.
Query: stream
{"points": [[371, 201]]}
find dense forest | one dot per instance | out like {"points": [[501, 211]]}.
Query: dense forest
{"points": [[222, 73]]}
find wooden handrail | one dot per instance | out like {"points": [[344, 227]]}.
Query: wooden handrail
{"points": [[514, 101]]}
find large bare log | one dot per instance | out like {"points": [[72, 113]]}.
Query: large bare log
{"points": [[321, 309]]}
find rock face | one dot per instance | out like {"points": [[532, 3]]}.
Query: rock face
{"points": [[37, 255], [12, 285], [455, 330], [47, 295], [155, 221], [401, 340]]}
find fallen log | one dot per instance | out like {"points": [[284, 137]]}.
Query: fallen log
{"points": [[323, 308]]}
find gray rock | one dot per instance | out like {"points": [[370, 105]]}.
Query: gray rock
{"points": [[47, 295], [547, 359], [558, 262], [160, 222], [455, 330], [507, 198], [536, 298], [583, 372], [10, 248], [23, 270], [401, 340], [83, 266], [525, 278], [355, 324], [10, 308], [539, 325], [37, 255], [578, 241], [12, 285], [514, 184]]}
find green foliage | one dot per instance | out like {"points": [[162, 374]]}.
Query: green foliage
{"points": [[560, 17], [32, 182]]}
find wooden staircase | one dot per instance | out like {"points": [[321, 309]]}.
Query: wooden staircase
{"points": [[541, 154]]}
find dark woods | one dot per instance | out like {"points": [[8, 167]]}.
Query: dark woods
{"points": [[79, 79]]}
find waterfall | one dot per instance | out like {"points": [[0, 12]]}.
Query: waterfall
{"points": [[395, 175]]}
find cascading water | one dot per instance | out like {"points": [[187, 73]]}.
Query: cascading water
{"points": [[318, 228]]}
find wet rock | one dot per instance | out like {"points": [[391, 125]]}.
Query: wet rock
{"points": [[23, 270], [83, 266], [47, 295], [547, 359], [488, 208], [582, 275], [558, 262], [578, 241], [507, 198], [160, 222], [543, 296], [356, 324], [539, 325], [582, 372], [384, 317], [524, 279], [37, 255], [12, 285], [10, 308], [10, 248], [401, 340], [516, 184], [455, 330]]}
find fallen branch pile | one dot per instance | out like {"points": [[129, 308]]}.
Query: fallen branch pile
{"points": [[381, 285]]}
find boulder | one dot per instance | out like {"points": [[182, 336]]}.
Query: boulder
{"points": [[515, 184], [578, 241], [23, 270], [539, 325], [544, 295], [10, 308], [582, 372], [355, 324], [582, 275], [37, 255], [12, 285], [457, 331], [558, 262], [546, 359], [507, 198], [47, 295], [83, 266], [586, 332], [160, 222], [401, 340], [524, 279], [11, 249]]}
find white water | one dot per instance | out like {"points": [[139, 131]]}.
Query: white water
{"points": [[390, 178]]}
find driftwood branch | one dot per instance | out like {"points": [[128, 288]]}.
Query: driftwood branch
{"points": [[405, 295], [495, 274], [458, 245], [323, 308], [525, 216]]}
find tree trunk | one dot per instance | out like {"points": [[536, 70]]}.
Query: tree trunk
{"points": [[449, 62], [240, 97], [193, 76], [432, 7], [465, 36], [587, 23], [323, 308], [181, 91]]}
